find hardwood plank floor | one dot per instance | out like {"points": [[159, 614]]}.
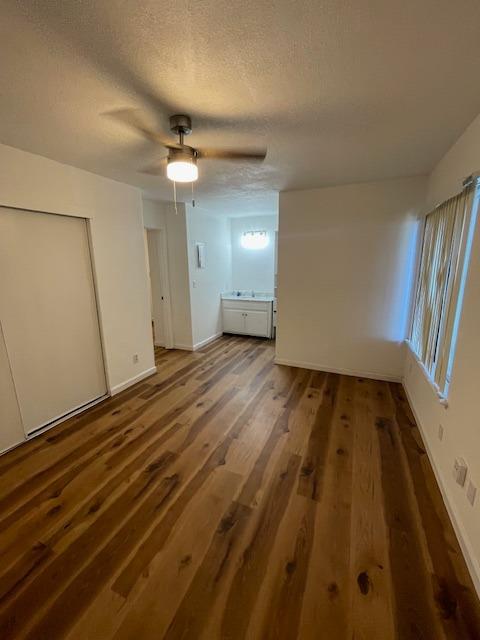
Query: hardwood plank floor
{"points": [[226, 498]]}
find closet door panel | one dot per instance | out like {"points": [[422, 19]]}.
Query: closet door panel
{"points": [[49, 315], [11, 428]]}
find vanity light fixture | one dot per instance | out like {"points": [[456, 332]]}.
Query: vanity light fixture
{"points": [[254, 240]]}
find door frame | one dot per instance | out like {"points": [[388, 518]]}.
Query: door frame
{"points": [[161, 238]]}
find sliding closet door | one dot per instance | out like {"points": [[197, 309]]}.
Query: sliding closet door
{"points": [[49, 315]]}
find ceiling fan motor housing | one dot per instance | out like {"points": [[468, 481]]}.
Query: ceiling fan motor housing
{"points": [[187, 154], [181, 124]]}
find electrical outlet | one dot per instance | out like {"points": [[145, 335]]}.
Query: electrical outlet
{"points": [[135, 358], [471, 493], [441, 431], [460, 471]]}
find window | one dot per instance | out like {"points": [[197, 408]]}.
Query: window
{"points": [[444, 260], [254, 240]]}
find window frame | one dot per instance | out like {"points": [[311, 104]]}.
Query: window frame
{"points": [[455, 287]]}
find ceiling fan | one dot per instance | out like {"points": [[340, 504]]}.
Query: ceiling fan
{"points": [[181, 161]]}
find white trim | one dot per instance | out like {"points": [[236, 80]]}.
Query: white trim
{"points": [[114, 391], [165, 277], [462, 537], [65, 416], [98, 303], [442, 399], [13, 446], [203, 343], [184, 347], [128, 383], [388, 377]]}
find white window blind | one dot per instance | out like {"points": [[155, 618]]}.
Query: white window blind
{"points": [[439, 286]]}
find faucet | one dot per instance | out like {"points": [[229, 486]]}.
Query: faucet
{"points": [[253, 293]]}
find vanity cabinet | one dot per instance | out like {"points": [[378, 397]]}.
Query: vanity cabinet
{"points": [[247, 317], [234, 321]]}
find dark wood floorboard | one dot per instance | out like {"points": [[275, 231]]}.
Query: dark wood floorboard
{"points": [[227, 497]]}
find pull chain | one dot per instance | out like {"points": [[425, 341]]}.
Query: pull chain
{"points": [[175, 196]]}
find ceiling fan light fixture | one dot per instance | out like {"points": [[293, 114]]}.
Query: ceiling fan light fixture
{"points": [[182, 170], [182, 158]]}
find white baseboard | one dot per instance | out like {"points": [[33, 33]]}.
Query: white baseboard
{"points": [[197, 345], [56, 421], [184, 347], [12, 446], [463, 541], [128, 383], [204, 343], [346, 372]]}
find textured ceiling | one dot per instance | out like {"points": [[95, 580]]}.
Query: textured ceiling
{"points": [[339, 91]]}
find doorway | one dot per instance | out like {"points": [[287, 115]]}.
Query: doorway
{"points": [[157, 268]]}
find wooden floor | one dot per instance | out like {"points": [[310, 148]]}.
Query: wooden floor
{"points": [[227, 497]]}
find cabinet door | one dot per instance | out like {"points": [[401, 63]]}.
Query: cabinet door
{"points": [[233, 321], [256, 323]]}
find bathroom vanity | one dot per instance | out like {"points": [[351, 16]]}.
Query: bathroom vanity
{"points": [[247, 314]]}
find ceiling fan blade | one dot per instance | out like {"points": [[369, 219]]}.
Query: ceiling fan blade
{"points": [[157, 168], [255, 155], [132, 119]]}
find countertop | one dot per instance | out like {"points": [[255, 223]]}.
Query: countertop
{"points": [[227, 296]]}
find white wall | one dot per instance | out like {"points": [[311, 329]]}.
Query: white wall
{"points": [[345, 259], [28, 181], [460, 420], [253, 269], [195, 293], [161, 215], [207, 284]]}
